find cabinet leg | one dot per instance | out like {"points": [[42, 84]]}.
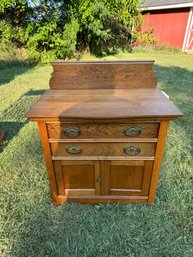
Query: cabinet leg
{"points": [[48, 160], [55, 199]]}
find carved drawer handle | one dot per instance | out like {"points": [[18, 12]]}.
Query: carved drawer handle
{"points": [[74, 149], [132, 131], [132, 150], [72, 132]]}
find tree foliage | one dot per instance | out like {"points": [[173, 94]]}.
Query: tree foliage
{"points": [[57, 28]]}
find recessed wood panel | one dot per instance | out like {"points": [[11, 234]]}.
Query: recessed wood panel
{"points": [[102, 74], [126, 178], [76, 176]]}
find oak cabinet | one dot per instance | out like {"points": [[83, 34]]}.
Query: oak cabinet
{"points": [[103, 128], [103, 161], [103, 178]]}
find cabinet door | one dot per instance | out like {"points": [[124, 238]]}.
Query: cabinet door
{"points": [[126, 178], [78, 178]]}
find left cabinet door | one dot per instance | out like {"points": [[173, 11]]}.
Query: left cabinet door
{"points": [[78, 178]]}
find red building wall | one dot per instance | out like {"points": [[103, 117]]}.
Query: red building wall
{"points": [[169, 25]]}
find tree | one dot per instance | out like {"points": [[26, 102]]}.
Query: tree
{"points": [[52, 29]]}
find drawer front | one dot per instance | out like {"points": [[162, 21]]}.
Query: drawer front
{"points": [[86, 131], [103, 149]]}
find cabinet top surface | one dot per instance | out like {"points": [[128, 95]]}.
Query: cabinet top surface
{"points": [[103, 104]]}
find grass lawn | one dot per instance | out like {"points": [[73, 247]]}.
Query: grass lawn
{"points": [[32, 226]]}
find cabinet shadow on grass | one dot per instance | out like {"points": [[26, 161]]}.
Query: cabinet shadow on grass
{"points": [[13, 118], [10, 69]]}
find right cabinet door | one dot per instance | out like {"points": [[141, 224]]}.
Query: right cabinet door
{"points": [[126, 178]]}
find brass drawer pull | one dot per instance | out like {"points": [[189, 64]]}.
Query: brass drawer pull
{"points": [[74, 149], [72, 132], [132, 131], [132, 150]]}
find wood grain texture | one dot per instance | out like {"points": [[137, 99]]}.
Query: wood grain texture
{"points": [[126, 163], [101, 131], [105, 140], [103, 199], [158, 158], [103, 104], [48, 161], [103, 74], [77, 178], [102, 158], [102, 149], [79, 192], [126, 178], [106, 176]]}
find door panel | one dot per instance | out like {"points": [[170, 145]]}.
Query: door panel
{"points": [[126, 178], [89, 178], [78, 178]]}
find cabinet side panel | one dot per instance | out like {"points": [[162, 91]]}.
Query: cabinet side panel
{"points": [[48, 160], [158, 158]]}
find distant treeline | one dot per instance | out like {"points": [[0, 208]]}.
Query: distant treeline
{"points": [[52, 29]]}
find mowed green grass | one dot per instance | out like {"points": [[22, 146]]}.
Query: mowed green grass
{"points": [[32, 226]]}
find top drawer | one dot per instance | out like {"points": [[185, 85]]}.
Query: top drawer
{"points": [[102, 130]]}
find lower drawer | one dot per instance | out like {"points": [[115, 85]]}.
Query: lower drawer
{"points": [[103, 149]]}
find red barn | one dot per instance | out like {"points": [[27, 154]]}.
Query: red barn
{"points": [[172, 21]]}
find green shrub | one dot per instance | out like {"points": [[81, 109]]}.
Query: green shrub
{"points": [[52, 29]]}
